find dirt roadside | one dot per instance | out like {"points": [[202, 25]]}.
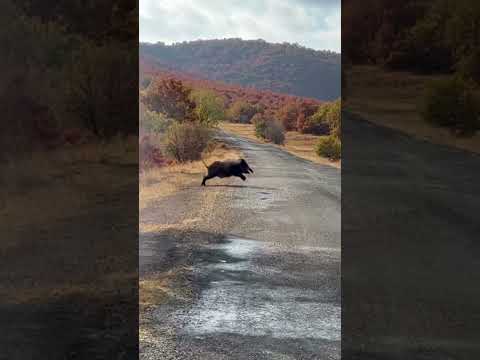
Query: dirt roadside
{"points": [[370, 91], [68, 264]]}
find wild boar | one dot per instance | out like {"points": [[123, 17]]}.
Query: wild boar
{"points": [[227, 168]]}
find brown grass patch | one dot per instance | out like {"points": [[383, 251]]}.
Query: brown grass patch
{"points": [[243, 130], [48, 192], [163, 181], [61, 175], [301, 145], [41, 293], [156, 289], [392, 99]]}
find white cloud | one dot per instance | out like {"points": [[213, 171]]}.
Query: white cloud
{"points": [[312, 23]]}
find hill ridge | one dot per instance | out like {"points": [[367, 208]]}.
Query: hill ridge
{"points": [[282, 67]]}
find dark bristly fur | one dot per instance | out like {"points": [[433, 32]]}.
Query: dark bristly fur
{"points": [[227, 168]]}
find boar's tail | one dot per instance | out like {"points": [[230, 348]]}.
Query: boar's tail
{"points": [[204, 163]]}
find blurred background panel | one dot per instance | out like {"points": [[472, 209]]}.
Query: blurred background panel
{"points": [[69, 179], [410, 179]]}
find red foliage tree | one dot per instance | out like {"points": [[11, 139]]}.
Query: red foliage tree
{"points": [[288, 115], [172, 98], [284, 107], [306, 109], [302, 123]]}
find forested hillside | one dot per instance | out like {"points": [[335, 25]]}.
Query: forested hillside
{"points": [[439, 36], [283, 68], [61, 68], [437, 40]]}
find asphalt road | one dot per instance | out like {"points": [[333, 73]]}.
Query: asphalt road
{"points": [[269, 286], [410, 250]]}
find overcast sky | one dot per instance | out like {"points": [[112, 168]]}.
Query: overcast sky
{"points": [[311, 23]]}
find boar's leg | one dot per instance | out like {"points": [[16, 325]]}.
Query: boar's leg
{"points": [[205, 178]]}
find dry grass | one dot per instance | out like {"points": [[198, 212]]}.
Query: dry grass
{"points": [[392, 99], [163, 181], [158, 288], [43, 293], [301, 145], [47, 192], [154, 290], [60, 176], [243, 130]]}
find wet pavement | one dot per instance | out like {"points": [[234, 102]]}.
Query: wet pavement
{"points": [[243, 299]]}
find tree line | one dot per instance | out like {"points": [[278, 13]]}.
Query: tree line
{"points": [[178, 119], [69, 71], [426, 37], [282, 68], [438, 36]]}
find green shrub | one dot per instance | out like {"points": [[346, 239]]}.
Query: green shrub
{"points": [[330, 147], [334, 118], [186, 141], [210, 108], [451, 103], [327, 117]]}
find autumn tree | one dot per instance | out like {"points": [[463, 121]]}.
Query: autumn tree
{"points": [[288, 115], [302, 123], [171, 98], [305, 110]]}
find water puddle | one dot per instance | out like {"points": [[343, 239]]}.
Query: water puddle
{"points": [[244, 298]]}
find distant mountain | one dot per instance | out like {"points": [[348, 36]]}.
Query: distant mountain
{"points": [[283, 68]]}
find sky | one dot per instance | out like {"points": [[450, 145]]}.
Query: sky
{"points": [[312, 23]]}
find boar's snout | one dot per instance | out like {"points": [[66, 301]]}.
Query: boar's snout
{"points": [[246, 169]]}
